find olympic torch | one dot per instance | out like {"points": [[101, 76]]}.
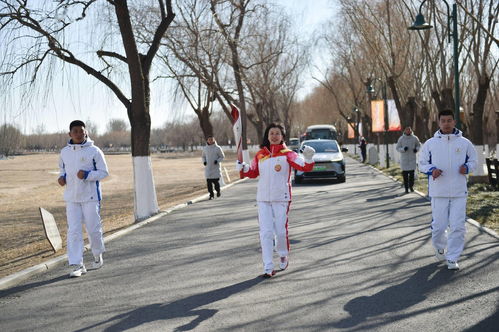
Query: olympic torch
{"points": [[238, 132]]}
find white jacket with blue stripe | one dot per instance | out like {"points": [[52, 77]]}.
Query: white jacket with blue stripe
{"points": [[89, 158], [447, 152]]}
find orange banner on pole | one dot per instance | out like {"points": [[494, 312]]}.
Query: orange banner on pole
{"points": [[378, 116], [393, 116]]}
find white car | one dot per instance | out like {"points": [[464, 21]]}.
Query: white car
{"points": [[328, 158]]}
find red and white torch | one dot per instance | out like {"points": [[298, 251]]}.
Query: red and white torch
{"points": [[238, 133]]}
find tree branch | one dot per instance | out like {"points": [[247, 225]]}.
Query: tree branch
{"points": [[102, 53]]}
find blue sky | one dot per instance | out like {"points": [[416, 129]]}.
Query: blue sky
{"points": [[76, 95]]}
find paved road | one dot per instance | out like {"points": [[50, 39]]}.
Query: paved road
{"points": [[361, 260]]}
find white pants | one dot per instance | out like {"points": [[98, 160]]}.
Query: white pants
{"points": [[273, 221], [77, 214], [448, 212]]}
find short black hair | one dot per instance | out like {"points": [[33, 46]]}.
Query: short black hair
{"points": [[76, 123], [265, 141], [446, 112]]}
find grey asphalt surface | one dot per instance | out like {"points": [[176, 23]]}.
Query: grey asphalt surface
{"points": [[361, 260]]}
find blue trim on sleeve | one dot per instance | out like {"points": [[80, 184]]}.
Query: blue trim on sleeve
{"points": [[430, 171], [86, 175], [465, 164], [97, 186]]}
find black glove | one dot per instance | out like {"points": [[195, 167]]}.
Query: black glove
{"points": [[204, 163], [415, 150], [405, 148], [215, 162]]}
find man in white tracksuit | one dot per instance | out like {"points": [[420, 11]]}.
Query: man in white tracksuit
{"points": [[82, 166], [447, 157]]}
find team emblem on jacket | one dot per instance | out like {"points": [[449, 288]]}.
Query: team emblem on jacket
{"points": [[277, 168]]}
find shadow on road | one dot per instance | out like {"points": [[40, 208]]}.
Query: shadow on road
{"points": [[395, 298], [181, 308], [22, 288], [489, 324]]}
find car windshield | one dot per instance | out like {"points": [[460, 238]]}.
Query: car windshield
{"points": [[294, 141], [323, 146], [320, 134]]}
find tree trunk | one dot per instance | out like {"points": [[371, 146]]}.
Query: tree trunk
{"points": [[421, 128], [204, 121], [443, 100], [410, 112], [478, 126], [145, 203], [258, 124], [398, 104]]}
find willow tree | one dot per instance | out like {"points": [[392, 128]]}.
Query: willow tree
{"points": [[46, 30]]}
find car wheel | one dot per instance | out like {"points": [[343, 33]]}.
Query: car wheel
{"points": [[342, 178]]}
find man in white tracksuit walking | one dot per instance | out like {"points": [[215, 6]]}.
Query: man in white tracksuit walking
{"points": [[82, 166], [447, 157]]}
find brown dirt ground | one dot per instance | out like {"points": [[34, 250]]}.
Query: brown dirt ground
{"points": [[30, 181]]}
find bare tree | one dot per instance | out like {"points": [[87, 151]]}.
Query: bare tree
{"points": [[479, 46], [229, 16], [372, 42], [275, 60], [195, 59], [11, 139], [116, 125], [43, 27]]}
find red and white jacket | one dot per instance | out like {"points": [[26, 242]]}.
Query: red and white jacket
{"points": [[274, 168]]}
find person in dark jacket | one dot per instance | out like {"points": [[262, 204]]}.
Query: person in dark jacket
{"points": [[363, 149], [212, 157]]}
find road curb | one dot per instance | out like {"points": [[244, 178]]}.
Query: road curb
{"points": [[16, 278], [473, 222]]}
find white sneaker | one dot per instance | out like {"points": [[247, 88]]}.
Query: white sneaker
{"points": [[439, 254], [98, 262], [452, 265], [78, 270], [284, 263]]}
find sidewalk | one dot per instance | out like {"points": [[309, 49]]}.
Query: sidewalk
{"points": [[361, 260]]}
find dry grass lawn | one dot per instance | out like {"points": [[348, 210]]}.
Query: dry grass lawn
{"points": [[29, 182]]}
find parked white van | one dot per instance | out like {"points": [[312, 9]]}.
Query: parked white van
{"points": [[321, 131]]}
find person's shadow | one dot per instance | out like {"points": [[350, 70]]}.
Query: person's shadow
{"points": [[394, 298], [181, 308]]}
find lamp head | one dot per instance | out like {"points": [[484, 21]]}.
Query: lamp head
{"points": [[420, 23]]}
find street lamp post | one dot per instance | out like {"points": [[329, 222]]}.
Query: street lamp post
{"points": [[420, 24], [356, 111], [385, 111]]}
